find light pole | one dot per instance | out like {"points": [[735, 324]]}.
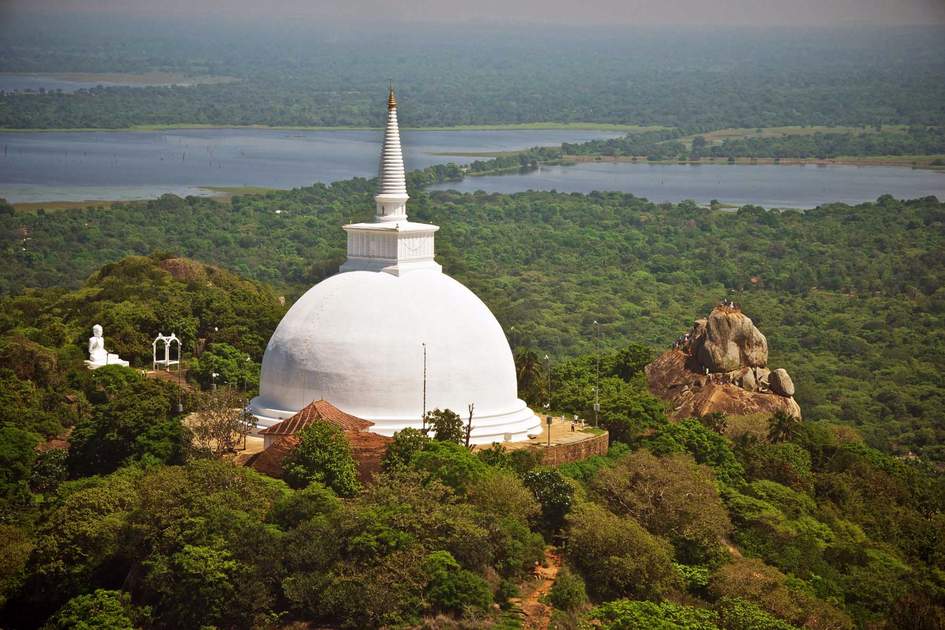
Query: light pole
{"points": [[597, 376], [423, 418], [180, 364], [548, 370]]}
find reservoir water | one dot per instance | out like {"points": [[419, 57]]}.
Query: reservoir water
{"points": [[119, 165], [767, 185]]}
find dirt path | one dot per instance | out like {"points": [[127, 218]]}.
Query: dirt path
{"points": [[537, 615]]}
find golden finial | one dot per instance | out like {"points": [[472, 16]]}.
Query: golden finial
{"points": [[391, 100]]}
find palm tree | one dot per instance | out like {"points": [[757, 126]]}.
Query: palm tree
{"points": [[530, 370], [782, 427]]}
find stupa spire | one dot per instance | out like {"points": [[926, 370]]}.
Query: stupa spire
{"points": [[391, 198]]}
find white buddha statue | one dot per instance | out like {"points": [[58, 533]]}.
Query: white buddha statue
{"points": [[98, 355]]}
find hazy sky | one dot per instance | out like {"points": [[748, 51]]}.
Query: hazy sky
{"points": [[642, 12]]}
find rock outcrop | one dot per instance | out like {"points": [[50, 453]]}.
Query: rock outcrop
{"points": [[720, 365], [781, 383], [727, 340]]}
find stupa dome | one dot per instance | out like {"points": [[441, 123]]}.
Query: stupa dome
{"points": [[391, 335]]}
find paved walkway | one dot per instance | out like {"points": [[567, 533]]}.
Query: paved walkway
{"points": [[561, 433]]}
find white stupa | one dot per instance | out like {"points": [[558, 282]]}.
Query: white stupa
{"points": [[358, 339]]}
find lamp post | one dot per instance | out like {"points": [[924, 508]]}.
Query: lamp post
{"points": [[548, 370], [180, 361], [423, 418], [597, 376], [213, 380]]}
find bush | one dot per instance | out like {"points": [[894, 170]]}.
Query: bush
{"points": [[738, 614], [568, 592], [635, 615], [450, 588]]}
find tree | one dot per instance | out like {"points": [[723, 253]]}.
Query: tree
{"points": [[532, 380], [221, 423], [670, 496], [133, 421], [15, 549], [450, 588], [17, 454], [407, 442], [783, 427], [446, 425], [554, 493], [199, 586], [449, 462], [617, 557], [233, 367], [49, 470], [99, 610], [323, 455]]}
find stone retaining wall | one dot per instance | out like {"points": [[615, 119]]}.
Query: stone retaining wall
{"points": [[558, 454]]}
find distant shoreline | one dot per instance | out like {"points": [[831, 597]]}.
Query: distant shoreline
{"points": [[537, 126]]}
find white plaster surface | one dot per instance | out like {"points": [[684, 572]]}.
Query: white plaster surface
{"points": [[356, 339]]}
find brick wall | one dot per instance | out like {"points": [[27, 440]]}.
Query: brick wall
{"points": [[557, 454]]}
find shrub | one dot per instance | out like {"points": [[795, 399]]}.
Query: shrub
{"points": [[738, 614], [568, 592], [635, 615]]}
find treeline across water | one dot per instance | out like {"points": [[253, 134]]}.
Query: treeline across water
{"points": [[667, 145]]}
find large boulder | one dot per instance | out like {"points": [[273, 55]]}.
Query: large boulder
{"points": [[673, 376], [780, 382], [728, 341]]}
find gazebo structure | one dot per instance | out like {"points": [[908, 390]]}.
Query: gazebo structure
{"points": [[167, 361]]}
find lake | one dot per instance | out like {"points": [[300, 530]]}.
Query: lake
{"points": [[121, 165], [768, 185]]}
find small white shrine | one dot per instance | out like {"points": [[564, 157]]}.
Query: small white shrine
{"points": [[98, 355], [168, 342]]}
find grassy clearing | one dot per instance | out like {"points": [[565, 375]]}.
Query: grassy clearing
{"points": [[715, 137], [56, 206], [928, 162]]}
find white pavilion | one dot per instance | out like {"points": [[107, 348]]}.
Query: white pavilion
{"points": [[391, 336]]}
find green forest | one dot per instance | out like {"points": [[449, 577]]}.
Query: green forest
{"points": [[668, 145], [447, 75], [702, 524], [850, 297]]}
